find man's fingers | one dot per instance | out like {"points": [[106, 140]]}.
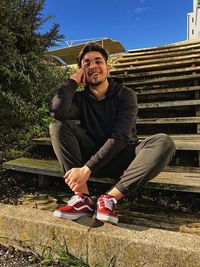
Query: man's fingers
{"points": [[69, 182], [76, 187], [67, 174], [73, 186], [67, 177], [84, 78]]}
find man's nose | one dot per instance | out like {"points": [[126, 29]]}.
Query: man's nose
{"points": [[92, 64]]}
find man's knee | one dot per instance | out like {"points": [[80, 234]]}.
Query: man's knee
{"points": [[54, 128], [166, 143], [58, 129]]}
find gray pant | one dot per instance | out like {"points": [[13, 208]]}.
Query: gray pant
{"points": [[131, 168]]}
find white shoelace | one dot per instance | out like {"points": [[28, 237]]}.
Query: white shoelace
{"points": [[74, 200], [109, 202]]}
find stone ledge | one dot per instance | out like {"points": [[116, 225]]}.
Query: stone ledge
{"points": [[98, 243]]}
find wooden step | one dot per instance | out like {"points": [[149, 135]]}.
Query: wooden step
{"points": [[43, 167], [185, 45], [44, 141], [156, 61], [178, 181], [182, 142], [160, 73], [177, 120], [164, 104], [167, 65], [162, 80], [154, 56], [38, 166], [153, 91]]}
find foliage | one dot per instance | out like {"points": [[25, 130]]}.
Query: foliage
{"points": [[27, 78]]}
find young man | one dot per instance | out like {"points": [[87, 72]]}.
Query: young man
{"points": [[105, 144]]}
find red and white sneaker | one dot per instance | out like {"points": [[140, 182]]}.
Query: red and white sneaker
{"points": [[105, 209], [78, 206]]}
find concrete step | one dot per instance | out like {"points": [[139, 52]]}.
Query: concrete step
{"points": [[96, 243], [146, 213]]}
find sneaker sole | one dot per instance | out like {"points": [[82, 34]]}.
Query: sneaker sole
{"points": [[107, 218], [70, 216]]}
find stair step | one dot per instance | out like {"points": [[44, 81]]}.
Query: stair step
{"points": [[176, 181], [158, 73], [179, 46], [167, 180], [164, 104], [38, 166], [175, 120], [183, 142], [41, 141], [153, 91], [167, 60], [161, 80], [119, 68], [173, 54], [43, 167]]}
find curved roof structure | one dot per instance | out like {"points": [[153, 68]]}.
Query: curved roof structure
{"points": [[70, 54]]}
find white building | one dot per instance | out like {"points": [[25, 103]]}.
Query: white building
{"points": [[193, 21]]}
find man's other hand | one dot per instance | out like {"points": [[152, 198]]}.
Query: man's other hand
{"points": [[77, 177]]}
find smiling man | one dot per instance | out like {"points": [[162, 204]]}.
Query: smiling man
{"points": [[105, 143]]}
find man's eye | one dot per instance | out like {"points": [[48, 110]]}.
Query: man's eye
{"points": [[98, 61], [86, 64]]}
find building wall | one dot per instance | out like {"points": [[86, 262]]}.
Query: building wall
{"points": [[193, 21]]}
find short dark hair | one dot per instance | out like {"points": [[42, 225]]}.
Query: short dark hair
{"points": [[93, 47]]}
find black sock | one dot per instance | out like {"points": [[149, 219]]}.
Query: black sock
{"points": [[86, 195]]}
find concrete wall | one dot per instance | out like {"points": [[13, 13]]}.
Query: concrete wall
{"points": [[193, 21]]}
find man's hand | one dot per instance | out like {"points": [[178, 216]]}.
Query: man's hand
{"points": [[77, 177], [79, 76]]}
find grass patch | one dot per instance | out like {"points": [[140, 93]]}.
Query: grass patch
{"points": [[61, 257]]}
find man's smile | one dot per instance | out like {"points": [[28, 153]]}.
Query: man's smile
{"points": [[94, 75]]}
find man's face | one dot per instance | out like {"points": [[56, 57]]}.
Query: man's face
{"points": [[96, 68]]}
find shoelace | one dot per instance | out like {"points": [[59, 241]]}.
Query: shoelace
{"points": [[108, 202], [74, 200]]}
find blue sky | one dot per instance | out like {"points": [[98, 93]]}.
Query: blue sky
{"points": [[135, 23]]}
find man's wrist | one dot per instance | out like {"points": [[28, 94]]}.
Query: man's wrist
{"points": [[87, 169], [74, 79]]}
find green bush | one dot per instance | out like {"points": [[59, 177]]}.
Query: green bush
{"points": [[27, 79]]}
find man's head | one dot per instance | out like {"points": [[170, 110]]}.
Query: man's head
{"points": [[93, 59], [93, 47]]}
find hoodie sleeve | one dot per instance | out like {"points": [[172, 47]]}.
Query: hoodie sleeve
{"points": [[64, 105], [121, 134]]}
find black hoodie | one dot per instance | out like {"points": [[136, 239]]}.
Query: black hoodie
{"points": [[109, 122]]}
